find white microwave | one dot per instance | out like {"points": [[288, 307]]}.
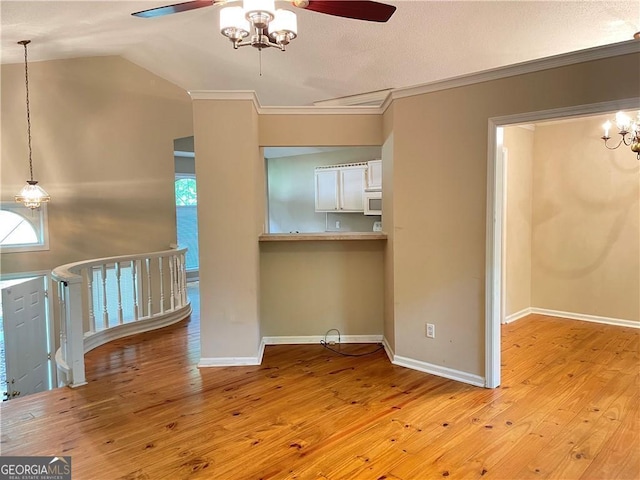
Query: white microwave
{"points": [[373, 203]]}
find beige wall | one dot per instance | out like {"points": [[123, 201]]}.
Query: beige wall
{"points": [[231, 206], [277, 130], [519, 144], [440, 195], [291, 186], [586, 232], [308, 288], [103, 131]]}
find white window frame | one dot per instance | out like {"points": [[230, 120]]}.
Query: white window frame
{"points": [[40, 223]]}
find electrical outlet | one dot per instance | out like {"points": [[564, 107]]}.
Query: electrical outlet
{"points": [[338, 224], [430, 330]]}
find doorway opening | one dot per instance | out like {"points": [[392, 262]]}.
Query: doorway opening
{"points": [[186, 198], [496, 301]]}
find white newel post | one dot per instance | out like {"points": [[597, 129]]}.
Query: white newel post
{"points": [[74, 331]]}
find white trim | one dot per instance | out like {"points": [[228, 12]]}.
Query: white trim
{"points": [[440, 371], [518, 315], [224, 95], [493, 269], [347, 105], [229, 361], [363, 99], [250, 95], [299, 340], [571, 58], [206, 362], [387, 348], [620, 322]]}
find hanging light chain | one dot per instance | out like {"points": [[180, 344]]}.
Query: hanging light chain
{"points": [[26, 83]]}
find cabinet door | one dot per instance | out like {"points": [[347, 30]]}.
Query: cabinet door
{"points": [[326, 190], [374, 175], [352, 187]]}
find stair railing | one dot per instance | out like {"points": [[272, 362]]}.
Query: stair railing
{"points": [[101, 300]]}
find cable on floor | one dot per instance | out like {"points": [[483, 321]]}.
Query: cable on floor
{"points": [[328, 346]]}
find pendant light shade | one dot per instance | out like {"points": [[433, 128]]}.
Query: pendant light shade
{"points": [[32, 195]]}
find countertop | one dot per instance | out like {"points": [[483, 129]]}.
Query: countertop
{"points": [[324, 236]]}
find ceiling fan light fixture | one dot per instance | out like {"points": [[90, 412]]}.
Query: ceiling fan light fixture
{"points": [[259, 12], [233, 24], [261, 22], [284, 27]]}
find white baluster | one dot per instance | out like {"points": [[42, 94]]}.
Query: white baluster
{"points": [[63, 324], [172, 273], [105, 312], [149, 294], [161, 269], [134, 279], [183, 279], [90, 304], [118, 275]]}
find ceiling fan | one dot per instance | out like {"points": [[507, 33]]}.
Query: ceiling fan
{"points": [[267, 27], [356, 9]]}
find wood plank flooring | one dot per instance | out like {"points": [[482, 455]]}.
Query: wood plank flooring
{"points": [[567, 409]]}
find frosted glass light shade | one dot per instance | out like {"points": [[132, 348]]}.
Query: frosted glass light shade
{"points": [[254, 6], [285, 21], [233, 24], [32, 195]]}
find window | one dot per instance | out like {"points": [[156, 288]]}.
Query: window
{"points": [[187, 218], [186, 194], [23, 229]]}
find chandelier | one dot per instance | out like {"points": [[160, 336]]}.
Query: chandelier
{"points": [[32, 194], [629, 133], [261, 22]]}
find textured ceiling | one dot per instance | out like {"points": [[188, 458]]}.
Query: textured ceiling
{"points": [[424, 41]]}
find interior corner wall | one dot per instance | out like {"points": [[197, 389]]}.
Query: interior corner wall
{"points": [[103, 131], [440, 199], [388, 227], [585, 227], [231, 207], [519, 144]]}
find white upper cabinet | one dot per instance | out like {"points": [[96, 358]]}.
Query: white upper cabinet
{"points": [[374, 175], [340, 188]]}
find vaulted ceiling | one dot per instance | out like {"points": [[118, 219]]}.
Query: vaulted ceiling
{"points": [[424, 41]]}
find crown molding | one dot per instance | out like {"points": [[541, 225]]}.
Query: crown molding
{"points": [[370, 99], [321, 110], [571, 58], [250, 95], [357, 104]]}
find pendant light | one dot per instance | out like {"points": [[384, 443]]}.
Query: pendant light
{"points": [[32, 195]]}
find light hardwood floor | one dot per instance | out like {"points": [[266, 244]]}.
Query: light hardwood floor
{"points": [[567, 409]]}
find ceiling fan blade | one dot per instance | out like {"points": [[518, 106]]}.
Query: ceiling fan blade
{"points": [[176, 8], [359, 10]]}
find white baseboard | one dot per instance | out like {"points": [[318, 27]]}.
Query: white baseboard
{"points": [[518, 315], [229, 361], [587, 318], [387, 348], [297, 340], [440, 371]]}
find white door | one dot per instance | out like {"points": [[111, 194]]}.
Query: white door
{"points": [[25, 338]]}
